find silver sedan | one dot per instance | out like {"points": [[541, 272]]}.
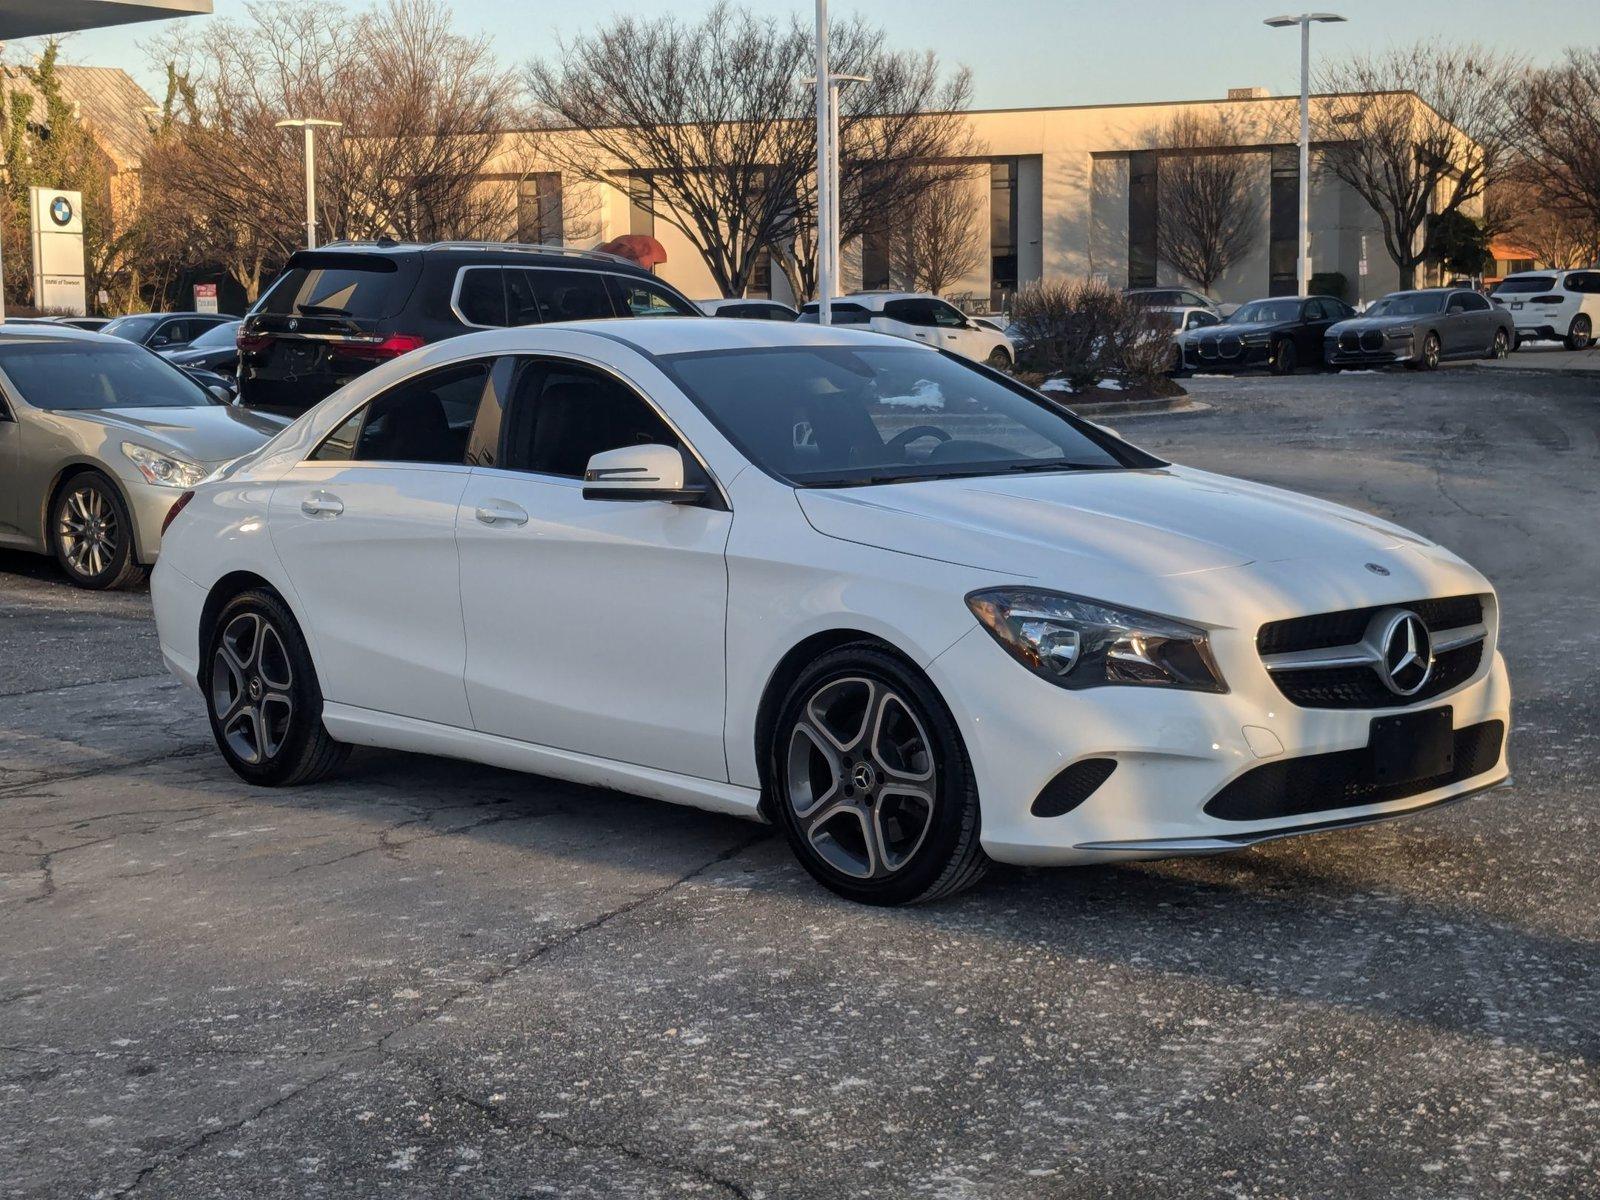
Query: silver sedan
{"points": [[98, 439]]}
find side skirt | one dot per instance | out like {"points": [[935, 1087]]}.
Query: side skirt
{"points": [[365, 727]]}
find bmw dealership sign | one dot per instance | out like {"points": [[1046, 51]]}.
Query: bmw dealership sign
{"points": [[58, 274]]}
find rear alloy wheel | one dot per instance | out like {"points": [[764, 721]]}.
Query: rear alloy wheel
{"points": [[92, 534], [263, 697], [1283, 357], [873, 787], [1581, 334], [1501, 346], [999, 359]]}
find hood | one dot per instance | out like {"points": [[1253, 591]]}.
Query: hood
{"points": [[1146, 524], [207, 435], [1364, 322], [191, 356], [1240, 328]]}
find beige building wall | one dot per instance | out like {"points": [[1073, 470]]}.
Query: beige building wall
{"points": [[1072, 200]]}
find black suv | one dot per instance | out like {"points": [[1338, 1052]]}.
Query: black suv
{"points": [[340, 310]]}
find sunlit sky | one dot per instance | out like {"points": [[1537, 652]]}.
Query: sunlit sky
{"points": [[1030, 52]]}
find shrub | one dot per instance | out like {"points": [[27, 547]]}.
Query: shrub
{"points": [[1086, 331]]}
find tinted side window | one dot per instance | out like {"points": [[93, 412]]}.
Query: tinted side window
{"points": [[481, 297], [911, 312], [1583, 281], [641, 298], [423, 420], [534, 295], [1475, 302], [947, 316], [173, 333], [561, 415], [1314, 311]]}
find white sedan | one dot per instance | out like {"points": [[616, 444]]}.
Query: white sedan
{"points": [[908, 610]]}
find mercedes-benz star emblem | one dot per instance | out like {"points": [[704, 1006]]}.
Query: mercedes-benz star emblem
{"points": [[1377, 568], [1407, 662]]}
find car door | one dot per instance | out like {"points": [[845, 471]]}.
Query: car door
{"points": [[593, 626], [1456, 330], [10, 471], [1316, 317], [365, 529], [911, 319], [957, 333]]}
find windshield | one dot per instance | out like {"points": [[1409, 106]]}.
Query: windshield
{"points": [[60, 375], [1525, 284], [217, 337], [835, 416], [1265, 312], [1408, 304], [132, 328]]}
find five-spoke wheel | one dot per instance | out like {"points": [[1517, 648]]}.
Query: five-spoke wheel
{"points": [[872, 785], [263, 696]]}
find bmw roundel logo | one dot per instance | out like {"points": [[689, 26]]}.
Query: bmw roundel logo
{"points": [[61, 210]]}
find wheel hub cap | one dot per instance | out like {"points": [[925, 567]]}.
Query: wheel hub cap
{"points": [[252, 688]]}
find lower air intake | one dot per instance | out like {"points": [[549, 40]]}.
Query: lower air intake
{"points": [[1072, 787]]}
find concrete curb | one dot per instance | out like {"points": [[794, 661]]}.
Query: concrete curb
{"points": [[1135, 408]]}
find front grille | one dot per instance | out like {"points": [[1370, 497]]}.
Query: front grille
{"points": [[1207, 347], [1321, 630], [1359, 686], [1349, 340], [1371, 339], [1317, 783], [1230, 346]]}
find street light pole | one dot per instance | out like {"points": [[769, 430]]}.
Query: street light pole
{"points": [[1302, 264], [310, 125], [836, 176], [826, 280]]}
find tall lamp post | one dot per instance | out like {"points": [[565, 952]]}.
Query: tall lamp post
{"points": [[828, 233], [1302, 264], [311, 125], [825, 268]]}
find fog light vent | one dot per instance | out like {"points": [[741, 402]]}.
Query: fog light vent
{"points": [[1073, 786]]}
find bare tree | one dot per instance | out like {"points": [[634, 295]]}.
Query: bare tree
{"points": [[1559, 135], [1417, 131], [709, 129], [422, 108], [1552, 232], [1208, 199], [938, 239]]}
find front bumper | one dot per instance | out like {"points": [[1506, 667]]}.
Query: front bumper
{"points": [[1387, 355], [178, 602], [149, 506], [1174, 752], [1248, 358]]}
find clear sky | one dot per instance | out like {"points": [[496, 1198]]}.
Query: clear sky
{"points": [[1036, 52]]}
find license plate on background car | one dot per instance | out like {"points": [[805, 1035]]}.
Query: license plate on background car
{"points": [[1413, 746], [1516, 304]]}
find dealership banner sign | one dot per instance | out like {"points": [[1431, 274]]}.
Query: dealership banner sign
{"points": [[59, 281]]}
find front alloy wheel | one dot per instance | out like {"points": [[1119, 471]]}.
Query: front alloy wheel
{"points": [[873, 787], [1283, 357], [1429, 358], [92, 535], [1581, 333]]}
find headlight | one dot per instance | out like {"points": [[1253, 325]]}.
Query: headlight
{"points": [[1256, 339], [163, 470], [1401, 332], [1078, 643]]}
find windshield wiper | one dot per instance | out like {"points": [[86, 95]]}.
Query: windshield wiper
{"points": [[322, 310], [1056, 465]]}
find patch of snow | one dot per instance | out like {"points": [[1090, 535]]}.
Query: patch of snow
{"points": [[925, 393], [1110, 385]]}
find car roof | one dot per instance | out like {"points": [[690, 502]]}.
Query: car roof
{"points": [[65, 333], [497, 254], [653, 336]]}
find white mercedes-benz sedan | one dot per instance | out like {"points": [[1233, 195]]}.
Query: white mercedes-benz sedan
{"points": [[914, 613]]}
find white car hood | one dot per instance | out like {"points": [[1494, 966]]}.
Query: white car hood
{"points": [[1158, 523]]}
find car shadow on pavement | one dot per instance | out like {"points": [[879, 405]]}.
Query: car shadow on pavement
{"points": [[1375, 922]]}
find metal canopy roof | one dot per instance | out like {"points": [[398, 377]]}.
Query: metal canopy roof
{"points": [[31, 18]]}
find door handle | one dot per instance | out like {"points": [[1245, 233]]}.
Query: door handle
{"points": [[501, 512], [321, 504]]}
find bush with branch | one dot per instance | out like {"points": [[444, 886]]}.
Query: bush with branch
{"points": [[1084, 331]]}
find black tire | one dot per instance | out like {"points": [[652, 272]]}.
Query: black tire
{"points": [[1284, 357], [999, 359], [263, 697], [91, 534], [935, 823], [1501, 346], [1580, 334]]}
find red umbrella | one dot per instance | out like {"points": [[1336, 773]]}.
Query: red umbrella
{"points": [[640, 248]]}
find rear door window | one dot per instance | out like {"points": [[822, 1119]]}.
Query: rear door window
{"points": [[427, 419], [1583, 281], [535, 294], [366, 286], [481, 296], [910, 312], [642, 298]]}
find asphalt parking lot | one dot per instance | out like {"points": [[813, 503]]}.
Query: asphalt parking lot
{"points": [[430, 979]]}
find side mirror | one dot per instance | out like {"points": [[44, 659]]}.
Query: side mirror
{"points": [[649, 472], [221, 393]]}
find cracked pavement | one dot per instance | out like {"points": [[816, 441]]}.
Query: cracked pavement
{"points": [[433, 979]]}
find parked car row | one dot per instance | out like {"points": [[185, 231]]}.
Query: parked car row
{"points": [[1418, 329]]}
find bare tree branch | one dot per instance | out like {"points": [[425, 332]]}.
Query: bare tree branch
{"points": [[1208, 208]]}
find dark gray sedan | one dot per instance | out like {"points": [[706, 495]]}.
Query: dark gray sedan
{"points": [[1421, 329], [98, 439]]}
